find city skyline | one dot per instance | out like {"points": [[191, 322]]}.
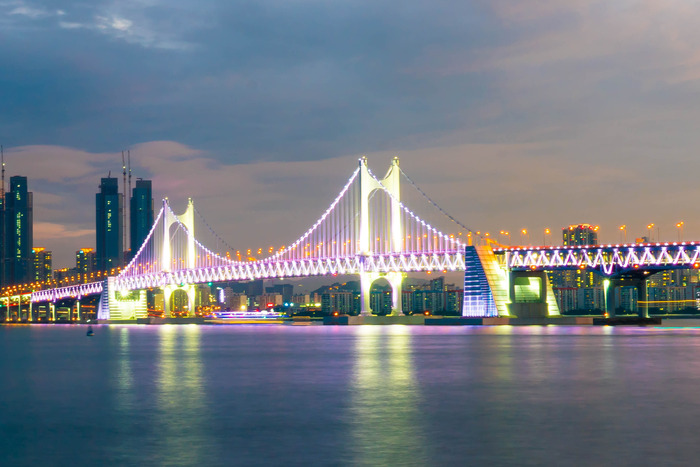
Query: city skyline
{"points": [[535, 116]]}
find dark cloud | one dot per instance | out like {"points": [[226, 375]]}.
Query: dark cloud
{"points": [[246, 80]]}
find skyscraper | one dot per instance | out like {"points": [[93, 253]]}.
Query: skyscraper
{"points": [[108, 225], [141, 214], [19, 232]]}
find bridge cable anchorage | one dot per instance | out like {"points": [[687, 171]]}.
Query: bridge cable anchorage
{"points": [[452, 218]]}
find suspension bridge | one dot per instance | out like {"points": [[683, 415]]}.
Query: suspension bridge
{"points": [[366, 231]]}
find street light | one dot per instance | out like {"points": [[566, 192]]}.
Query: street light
{"points": [[680, 231], [506, 234], [649, 227], [623, 228], [523, 235], [544, 237]]}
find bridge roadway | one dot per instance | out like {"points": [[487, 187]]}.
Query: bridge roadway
{"points": [[447, 260], [608, 260]]}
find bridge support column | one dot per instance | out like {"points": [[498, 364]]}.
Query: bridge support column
{"points": [[365, 286], [609, 286], [638, 282], [529, 295], [396, 281], [642, 302]]}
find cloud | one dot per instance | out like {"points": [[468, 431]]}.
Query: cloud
{"points": [[29, 12], [511, 114], [46, 231]]}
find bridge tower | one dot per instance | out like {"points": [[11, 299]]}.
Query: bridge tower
{"points": [[187, 219], [391, 183]]}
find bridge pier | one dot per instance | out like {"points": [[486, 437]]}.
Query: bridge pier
{"points": [[636, 281], [529, 295]]}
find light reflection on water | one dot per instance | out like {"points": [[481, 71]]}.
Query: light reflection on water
{"points": [[283, 395], [386, 426], [180, 397]]}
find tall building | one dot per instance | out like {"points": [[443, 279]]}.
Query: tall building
{"points": [[108, 225], [41, 270], [577, 289], [140, 214], [19, 232], [85, 260], [581, 234]]}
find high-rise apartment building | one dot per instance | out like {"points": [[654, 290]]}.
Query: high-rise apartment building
{"points": [[581, 234], [577, 289], [85, 260], [140, 214], [108, 225], [18, 227], [41, 270]]}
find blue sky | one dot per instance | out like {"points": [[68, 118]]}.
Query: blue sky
{"points": [[511, 115]]}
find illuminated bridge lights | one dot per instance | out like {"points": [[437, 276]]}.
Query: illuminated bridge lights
{"points": [[609, 259], [347, 239]]}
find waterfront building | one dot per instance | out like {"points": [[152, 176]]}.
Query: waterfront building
{"points": [[85, 260], [380, 301], [286, 290], [438, 284], [235, 301], [41, 270], [575, 235], [453, 301], [65, 274], [566, 298], [18, 227], [271, 300], [108, 225], [580, 234], [140, 214], [626, 298], [301, 299], [342, 302], [407, 301]]}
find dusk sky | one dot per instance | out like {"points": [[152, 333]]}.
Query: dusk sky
{"points": [[509, 114]]}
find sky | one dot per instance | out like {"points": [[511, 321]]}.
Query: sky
{"points": [[511, 115]]}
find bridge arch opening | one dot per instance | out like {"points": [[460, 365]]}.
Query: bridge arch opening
{"points": [[179, 303], [380, 292]]}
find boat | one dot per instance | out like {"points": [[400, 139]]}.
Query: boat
{"points": [[263, 314], [90, 332]]}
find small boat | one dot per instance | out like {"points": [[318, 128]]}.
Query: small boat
{"points": [[90, 332]]}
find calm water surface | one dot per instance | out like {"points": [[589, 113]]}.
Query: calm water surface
{"points": [[369, 395]]}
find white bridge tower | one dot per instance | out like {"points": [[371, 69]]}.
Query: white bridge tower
{"points": [[186, 219], [391, 184]]}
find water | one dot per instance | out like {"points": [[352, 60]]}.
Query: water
{"points": [[369, 395]]}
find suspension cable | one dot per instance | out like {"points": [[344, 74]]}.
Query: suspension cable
{"points": [[230, 248], [434, 203]]}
